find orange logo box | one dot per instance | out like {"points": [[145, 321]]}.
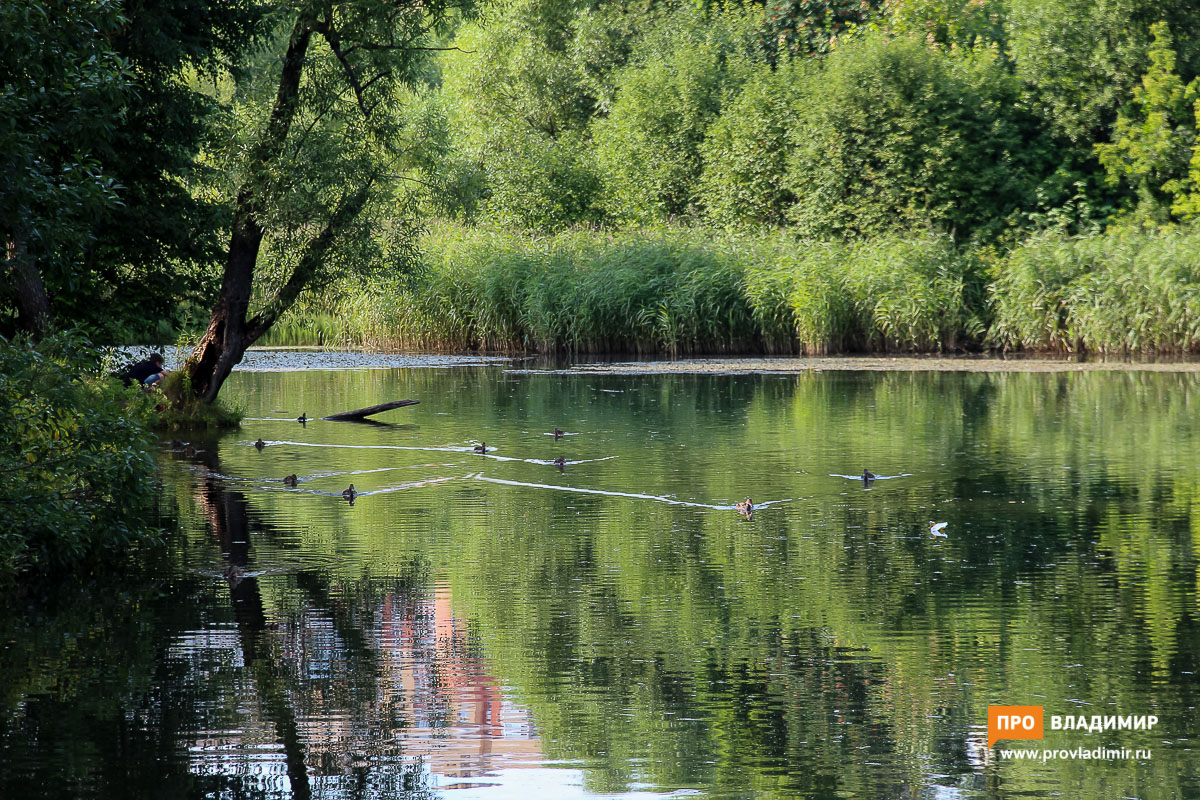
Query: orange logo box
{"points": [[1014, 722]]}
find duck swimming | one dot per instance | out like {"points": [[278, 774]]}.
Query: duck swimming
{"points": [[349, 493], [303, 418], [560, 462], [746, 509], [868, 476], [558, 434], [481, 447], [260, 444], [290, 480]]}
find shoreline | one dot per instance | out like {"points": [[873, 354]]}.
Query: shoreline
{"points": [[270, 359], [800, 365]]}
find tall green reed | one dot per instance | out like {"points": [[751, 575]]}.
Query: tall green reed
{"points": [[678, 291], [1122, 292]]}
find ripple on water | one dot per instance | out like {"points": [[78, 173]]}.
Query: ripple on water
{"points": [[491, 624]]}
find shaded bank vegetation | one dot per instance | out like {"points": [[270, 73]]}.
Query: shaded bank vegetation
{"points": [[76, 480]]}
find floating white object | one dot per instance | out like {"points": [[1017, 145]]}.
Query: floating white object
{"points": [[935, 529]]}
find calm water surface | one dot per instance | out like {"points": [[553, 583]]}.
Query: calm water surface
{"points": [[492, 626]]}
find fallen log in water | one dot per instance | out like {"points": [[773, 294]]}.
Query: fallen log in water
{"points": [[363, 413]]}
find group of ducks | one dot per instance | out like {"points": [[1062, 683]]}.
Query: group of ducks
{"points": [[349, 493], [560, 462], [745, 508], [937, 530]]}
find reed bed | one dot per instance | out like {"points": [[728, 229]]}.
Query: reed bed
{"points": [[680, 291], [1128, 292], [581, 292], [322, 322], [917, 294]]}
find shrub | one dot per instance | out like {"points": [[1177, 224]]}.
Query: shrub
{"points": [[649, 146], [73, 456], [891, 136], [746, 149]]}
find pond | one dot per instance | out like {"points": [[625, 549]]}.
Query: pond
{"points": [[495, 625]]}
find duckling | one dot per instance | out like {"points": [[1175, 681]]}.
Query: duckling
{"points": [[349, 493], [481, 447], [560, 462], [746, 509], [303, 418], [868, 476], [290, 480], [558, 434], [260, 444], [189, 451]]}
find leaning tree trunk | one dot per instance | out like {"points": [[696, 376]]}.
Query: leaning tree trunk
{"points": [[226, 339], [230, 331]]}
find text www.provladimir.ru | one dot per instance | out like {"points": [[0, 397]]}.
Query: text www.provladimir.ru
{"points": [[1095, 753]]}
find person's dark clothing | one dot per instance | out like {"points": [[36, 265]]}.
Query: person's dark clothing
{"points": [[140, 371]]}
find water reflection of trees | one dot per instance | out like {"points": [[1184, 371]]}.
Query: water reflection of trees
{"points": [[242, 679], [369, 684], [1072, 573], [646, 641], [819, 651]]}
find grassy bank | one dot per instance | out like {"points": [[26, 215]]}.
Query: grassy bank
{"points": [[680, 291]]}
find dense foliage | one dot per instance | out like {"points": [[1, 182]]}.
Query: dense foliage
{"points": [[979, 119], [75, 471], [63, 91], [159, 241], [98, 143], [842, 126]]}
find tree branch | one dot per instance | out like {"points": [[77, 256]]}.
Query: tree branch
{"points": [[287, 98], [331, 36], [372, 46], [310, 261]]}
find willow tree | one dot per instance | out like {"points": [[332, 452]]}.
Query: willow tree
{"points": [[310, 179]]}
